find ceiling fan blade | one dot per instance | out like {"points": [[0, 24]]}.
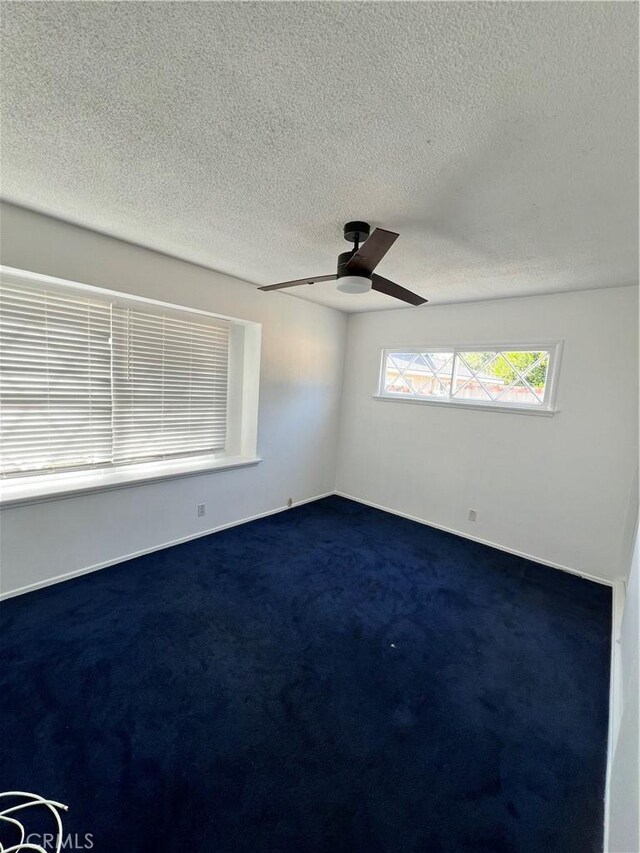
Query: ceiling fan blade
{"points": [[383, 285], [311, 280], [372, 251]]}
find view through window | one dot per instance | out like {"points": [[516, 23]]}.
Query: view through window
{"points": [[510, 377]]}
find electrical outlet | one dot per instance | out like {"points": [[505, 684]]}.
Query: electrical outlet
{"points": [[202, 510], [290, 502], [472, 515]]}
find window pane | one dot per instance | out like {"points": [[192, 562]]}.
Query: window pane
{"points": [[507, 377], [533, 368], [419, 374]]}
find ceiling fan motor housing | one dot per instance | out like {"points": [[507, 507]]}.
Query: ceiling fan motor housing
{"points": [[347, 281]]}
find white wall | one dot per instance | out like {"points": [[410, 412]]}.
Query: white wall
{"points": [[624, 782], [554, 488], [300, 383]]}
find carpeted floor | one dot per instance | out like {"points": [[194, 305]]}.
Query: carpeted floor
{"points": [[332, 678]]}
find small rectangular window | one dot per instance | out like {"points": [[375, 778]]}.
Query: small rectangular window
{"points": [[513, 377]]}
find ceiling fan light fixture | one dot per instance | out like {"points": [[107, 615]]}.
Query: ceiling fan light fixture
{"points": [[355, 271], [354, 284]]}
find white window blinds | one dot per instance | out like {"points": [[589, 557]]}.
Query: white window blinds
{"points": [[169, 386], [88, 382], [55, 385]]}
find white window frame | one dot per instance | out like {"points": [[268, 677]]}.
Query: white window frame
{"points": [[546, 408], [242, 412]]}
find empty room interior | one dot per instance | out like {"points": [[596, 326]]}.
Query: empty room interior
{"points": [[319, 427]]}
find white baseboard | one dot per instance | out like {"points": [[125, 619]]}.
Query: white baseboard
{"points": [[122, 559], [615, 693], [465, 535]]}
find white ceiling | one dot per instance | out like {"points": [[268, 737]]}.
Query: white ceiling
{"points": [[500, 140]]}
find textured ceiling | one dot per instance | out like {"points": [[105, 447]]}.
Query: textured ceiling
{"points": [[500, 140]]}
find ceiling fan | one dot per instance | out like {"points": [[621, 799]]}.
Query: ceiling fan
{"points": [[356, 267]]}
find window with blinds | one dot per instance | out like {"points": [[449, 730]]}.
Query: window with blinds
{"points": [[88, 382]]}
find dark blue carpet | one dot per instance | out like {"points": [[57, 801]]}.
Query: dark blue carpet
{"points": [[333, 678]]}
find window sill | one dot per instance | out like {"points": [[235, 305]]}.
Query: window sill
{"points": [[55, 486], [450, 404]]}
